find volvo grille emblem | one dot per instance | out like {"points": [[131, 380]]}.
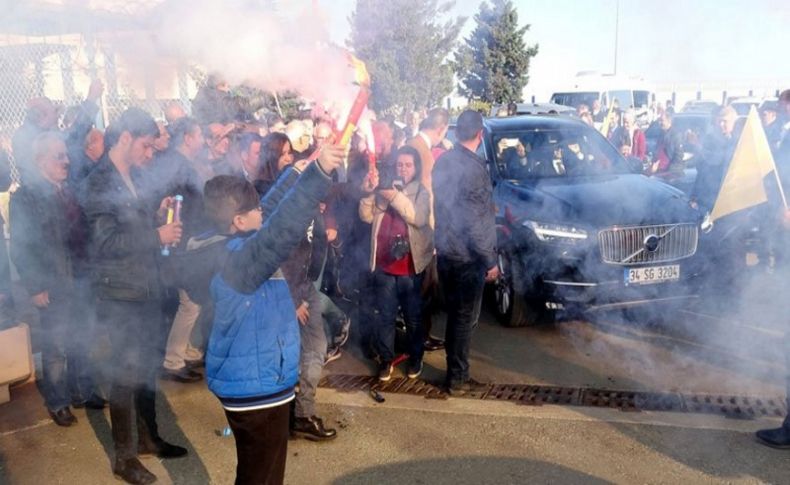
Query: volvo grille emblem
{"points": [[651, 243]]}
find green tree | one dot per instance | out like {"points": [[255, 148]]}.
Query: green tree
{"points": [[492, 65], [405, 50]]}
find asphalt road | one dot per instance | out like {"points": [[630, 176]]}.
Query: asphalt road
{"points": [[726, 347]]}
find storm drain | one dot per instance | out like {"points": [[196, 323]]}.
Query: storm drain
{"points": [[738, 407]]}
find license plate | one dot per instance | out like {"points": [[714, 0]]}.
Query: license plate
{"points": [[652, 274]]}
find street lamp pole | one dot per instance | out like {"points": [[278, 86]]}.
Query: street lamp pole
{"points": [[616, 33]]}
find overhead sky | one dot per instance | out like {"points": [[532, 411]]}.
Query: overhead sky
{"points": [[663, 41]]}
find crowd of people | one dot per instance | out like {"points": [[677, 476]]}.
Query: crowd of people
{"points": [[673, 146], [251, 247], [254, 246]]}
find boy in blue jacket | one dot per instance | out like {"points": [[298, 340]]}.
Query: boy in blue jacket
{"points": [[252, 357]]}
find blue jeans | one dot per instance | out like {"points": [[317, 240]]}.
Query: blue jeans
{"points": [[390, 293], [335, 320], [462, 284], [311, 357], [54, 321]]}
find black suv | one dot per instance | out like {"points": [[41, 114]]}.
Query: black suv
{"points": [[578, 226]]}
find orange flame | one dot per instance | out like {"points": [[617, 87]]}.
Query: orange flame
{"points": [[361, 75]]}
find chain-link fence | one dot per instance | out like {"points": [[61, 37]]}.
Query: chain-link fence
{"points": [[61, 69]]}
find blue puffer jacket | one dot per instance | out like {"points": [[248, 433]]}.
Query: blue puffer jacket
{"points": [[252, 357]]}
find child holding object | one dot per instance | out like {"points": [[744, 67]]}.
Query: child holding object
{"points": [[253, 351]]}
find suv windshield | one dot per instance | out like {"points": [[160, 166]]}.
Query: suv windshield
{"points": [[565, 152]]}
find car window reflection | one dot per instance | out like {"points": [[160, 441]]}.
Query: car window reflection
{"points": [[555, 153]]}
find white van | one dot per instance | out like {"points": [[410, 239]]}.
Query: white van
{"points": [[629, 92]]}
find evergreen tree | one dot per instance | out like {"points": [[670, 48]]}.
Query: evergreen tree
{"points": [[405, 50], [493, 63]]}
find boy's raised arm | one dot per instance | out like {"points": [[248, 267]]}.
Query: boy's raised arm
{"points": [[260, 257]]}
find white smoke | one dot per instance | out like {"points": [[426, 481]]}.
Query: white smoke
{"points": [[246, 43]]}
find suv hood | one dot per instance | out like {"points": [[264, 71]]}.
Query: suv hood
{"points": [[600, 201]]}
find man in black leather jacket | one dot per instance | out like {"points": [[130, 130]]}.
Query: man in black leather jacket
{"points": [[125, 242]]}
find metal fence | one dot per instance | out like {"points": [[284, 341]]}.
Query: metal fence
{"points": [[61, 68]]}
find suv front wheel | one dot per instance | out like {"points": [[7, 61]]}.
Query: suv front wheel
{"points": [[510, 306]]}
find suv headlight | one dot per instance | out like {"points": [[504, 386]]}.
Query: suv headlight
{"points": [[556, 232], [707, 224]]}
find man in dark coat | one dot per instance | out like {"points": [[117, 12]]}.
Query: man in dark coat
{"points": [[45, 219], [717, 150], [668, 154], [125, 245], [465, 238]]}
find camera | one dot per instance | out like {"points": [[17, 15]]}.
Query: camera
{"points": [[389, 180], [399, 248]]}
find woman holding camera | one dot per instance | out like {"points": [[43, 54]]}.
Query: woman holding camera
{"points": [[398, 210]]}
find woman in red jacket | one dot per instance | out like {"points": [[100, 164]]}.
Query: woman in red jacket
{"points": [[637, 137]]}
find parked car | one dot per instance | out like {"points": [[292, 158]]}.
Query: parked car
{"points": [[578, 226]]}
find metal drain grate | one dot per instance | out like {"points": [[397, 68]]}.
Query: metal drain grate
{"points": [[417, 387], [539, 395], [658, 401], [736, 406], [347, 383], [602, 398], [739, 407], [507, 392]]}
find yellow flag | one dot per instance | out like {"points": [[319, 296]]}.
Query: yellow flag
{"points": [[606, 121], [743, 186]]}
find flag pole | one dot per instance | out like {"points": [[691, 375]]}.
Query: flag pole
{"points": [[606, 122], [779, 185]]}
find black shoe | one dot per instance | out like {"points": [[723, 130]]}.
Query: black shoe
{"points": [[93, 402], [63, 417], [385, 371], [132, 471], [162, 449], [414, 370], [470, 386], [312, 428], [181, 375], [342, 337], [775, 438], [431, 344]]}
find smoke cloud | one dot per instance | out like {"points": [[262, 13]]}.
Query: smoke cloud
{"points": [[246, 43]]}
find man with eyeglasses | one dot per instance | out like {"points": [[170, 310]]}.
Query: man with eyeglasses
{"points": [[217, 140], [46, 242]]}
